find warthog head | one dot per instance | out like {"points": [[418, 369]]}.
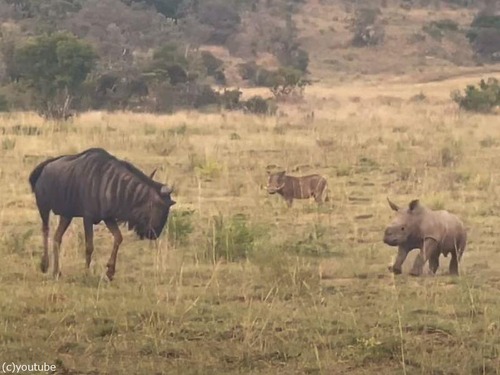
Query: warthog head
{"points": [[405, 224], [276, 182]]}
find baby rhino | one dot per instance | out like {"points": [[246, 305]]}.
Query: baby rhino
{"points": [[433, 232], [304, 187]]}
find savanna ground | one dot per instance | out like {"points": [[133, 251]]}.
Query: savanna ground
{"points": [[313, 294]]}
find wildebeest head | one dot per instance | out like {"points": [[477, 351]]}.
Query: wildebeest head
{"points": [[276, 182], [404, 225], [157, 211]]}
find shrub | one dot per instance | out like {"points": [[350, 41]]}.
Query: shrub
{"points": [[484, 35], [288, 81], [258, 105], [4, 104], [180, 226], [232, 239], [211, 63], [479, 99]]}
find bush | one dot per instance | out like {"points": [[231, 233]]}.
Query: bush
{"points": [[211, 63], [479, 99], [366, 28], [260, 106], [288, 81], [484, 36], [180, 226], [231, 239], [4, 105]]}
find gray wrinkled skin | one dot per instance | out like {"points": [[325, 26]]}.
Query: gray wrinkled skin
{"points": [[433, 232], [304, 187]]}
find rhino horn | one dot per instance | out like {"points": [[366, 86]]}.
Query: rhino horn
{"points": [[393, 205]]}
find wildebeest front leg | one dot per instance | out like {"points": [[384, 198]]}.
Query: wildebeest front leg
{"points": [[429, 248], [64, 223], [44, 264], [113, 228], [88, 226], [398, 263]]}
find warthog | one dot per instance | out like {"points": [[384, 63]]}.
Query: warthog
{"points": [[304, 187], [98, 187], [433, 232]]}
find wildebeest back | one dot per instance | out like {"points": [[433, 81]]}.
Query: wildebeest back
{"points": [[93, 184]]}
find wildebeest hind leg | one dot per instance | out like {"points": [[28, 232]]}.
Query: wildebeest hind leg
{"points": [[64, 223], [88, 226], [44, 264], [115, 231]]}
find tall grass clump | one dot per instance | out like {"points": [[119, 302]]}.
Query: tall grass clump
{"points": [[231, 238]]}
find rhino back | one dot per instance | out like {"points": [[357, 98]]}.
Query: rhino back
{"points": [[444, 227]]}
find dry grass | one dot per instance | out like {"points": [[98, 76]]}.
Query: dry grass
{"points": [[314, 294]]}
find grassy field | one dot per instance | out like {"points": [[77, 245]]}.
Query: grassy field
{"points": [[240, 283]]}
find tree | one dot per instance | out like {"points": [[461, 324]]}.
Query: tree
{"points": [[54, 68]]}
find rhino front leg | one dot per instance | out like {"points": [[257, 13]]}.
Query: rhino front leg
{"points": [[428, 250], [434, 262], [398, 263]]}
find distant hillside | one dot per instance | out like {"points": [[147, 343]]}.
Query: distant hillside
{"points": [[158, 55]]}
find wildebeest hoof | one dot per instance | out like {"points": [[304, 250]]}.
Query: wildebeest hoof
{"points": [[110, 274], [396, 271], [44, 264]]}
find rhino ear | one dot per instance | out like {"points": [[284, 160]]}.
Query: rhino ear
{"points": [[414, 204], [153, 173], [394, 206]]}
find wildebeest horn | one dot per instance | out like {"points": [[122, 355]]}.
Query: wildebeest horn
{"points": [[153, 173], [393, 205]]}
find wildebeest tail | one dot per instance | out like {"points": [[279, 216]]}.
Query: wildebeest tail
{"points": [[35, 174]]}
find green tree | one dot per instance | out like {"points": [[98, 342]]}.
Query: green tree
{"points": [[54, 68]]}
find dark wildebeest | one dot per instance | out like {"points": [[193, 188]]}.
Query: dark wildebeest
{"points": [[98, 187], [304, 187], [433, 232]]}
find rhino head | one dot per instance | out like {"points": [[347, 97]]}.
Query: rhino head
{"points": [[405, 225], [276, 182]]}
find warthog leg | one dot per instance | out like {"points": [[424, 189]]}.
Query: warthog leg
{"points": [[398, 263], [115, 231], [428, 250], [88, 226], [64, 223]]}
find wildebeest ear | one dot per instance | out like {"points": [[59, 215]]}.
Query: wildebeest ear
{"points": [[394, 206], [165, 190], [414, 204], [153, 173]]}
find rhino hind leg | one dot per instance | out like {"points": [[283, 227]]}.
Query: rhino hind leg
{"points": [[454, 264]]}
